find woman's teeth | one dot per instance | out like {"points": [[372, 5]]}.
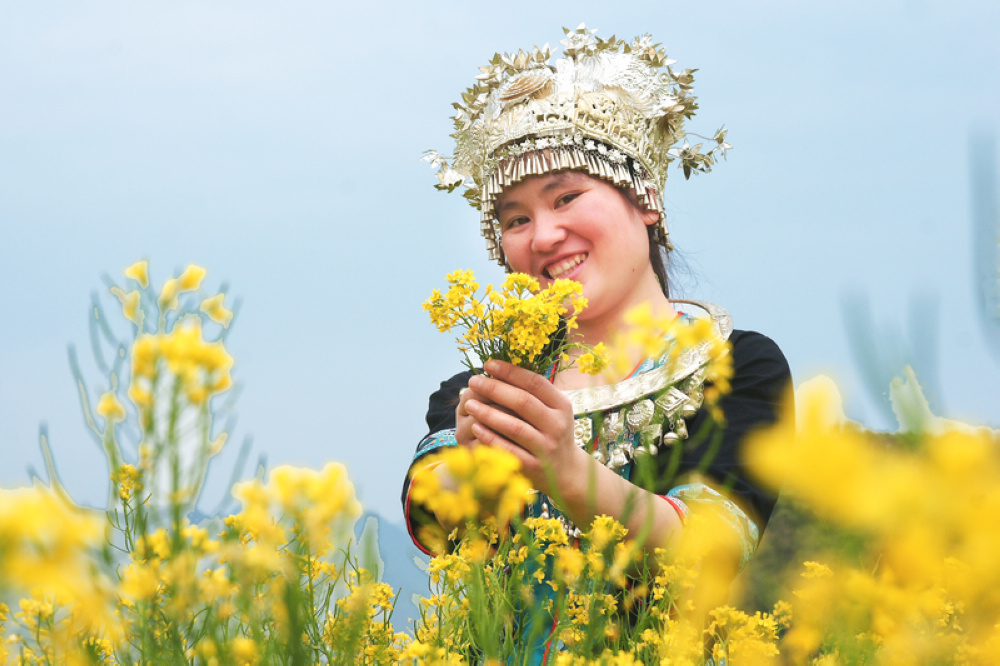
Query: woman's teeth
{"points": [[559, 269]]}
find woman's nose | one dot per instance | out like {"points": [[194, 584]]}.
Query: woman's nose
{"points": [[549, 231]]}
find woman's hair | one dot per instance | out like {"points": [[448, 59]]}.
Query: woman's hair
{"points": [[659, 260], [658, 257]]}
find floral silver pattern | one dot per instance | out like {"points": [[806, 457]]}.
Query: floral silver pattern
{"points": [[641, 414], [612, 108]]}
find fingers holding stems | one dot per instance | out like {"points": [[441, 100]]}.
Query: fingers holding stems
{"points": [[521, 412], [463, 419]]}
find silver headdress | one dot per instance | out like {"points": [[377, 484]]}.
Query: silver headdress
{"points": [[613, 109]]}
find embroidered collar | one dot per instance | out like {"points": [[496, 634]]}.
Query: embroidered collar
{"points": [[609, 396]]}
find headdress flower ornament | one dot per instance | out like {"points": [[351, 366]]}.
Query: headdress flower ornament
{"points": [[611, 108]]}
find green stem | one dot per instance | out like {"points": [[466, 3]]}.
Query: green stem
{"points": [[175, 464]]}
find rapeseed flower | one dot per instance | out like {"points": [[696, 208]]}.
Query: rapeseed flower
{"points": [[917, 583], [203, 367], [139, 271], [191, 278], [48, 548], [928, 505], [244, 650], [520, 323], [168, 295], [593, 362], [489, 483], [130, 305], [129, 481], [569, 565], [110, 408], [605, 531], [266, 586], [670, 339], [140, 581], [216, 311], [745, 639], [316, 501]]}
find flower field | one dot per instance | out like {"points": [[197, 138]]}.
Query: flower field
{"points": [[883, 549]]}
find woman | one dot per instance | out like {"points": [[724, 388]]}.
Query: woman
{"points": [[567, 164]]}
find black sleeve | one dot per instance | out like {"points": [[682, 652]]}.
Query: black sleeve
{"points": [[760, 381], [440, 416], [442, 403]]}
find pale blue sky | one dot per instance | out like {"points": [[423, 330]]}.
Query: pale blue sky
{"points": [[277, 144]]}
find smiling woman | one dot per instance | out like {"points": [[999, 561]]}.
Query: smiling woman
{"points": [[567, 164], [571, 225]]}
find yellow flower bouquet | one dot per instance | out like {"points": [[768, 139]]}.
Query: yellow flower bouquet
{"points": [[520, 323]]}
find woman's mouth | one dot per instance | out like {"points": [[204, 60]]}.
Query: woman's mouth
{"points": [[563, 267]]}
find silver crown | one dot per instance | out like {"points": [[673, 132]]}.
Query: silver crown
{"points": [[613, 109]]}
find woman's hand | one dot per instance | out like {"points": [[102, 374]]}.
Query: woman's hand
{"points": [[463, 420], [521, 412]]}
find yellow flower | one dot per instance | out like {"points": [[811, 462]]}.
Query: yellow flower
{"points": [[168, 294], [130, 304], [666, 338], [191, 278], [34, 611], [569, 563], [46, 541], [145, 352], [139, 271], [548, 531], [109, 407], [838, 471], [216, 311], [605, 531], [203, 365], [816, 570], [594, 361], [129, 481], [215, 584], [140, 581], [489, 481], [515, 323], [155, 544], [244, 650], [322, 504], [519, 283], [139, 396]]}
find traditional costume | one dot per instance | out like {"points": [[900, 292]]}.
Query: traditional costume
{"points": [[616, 111]]}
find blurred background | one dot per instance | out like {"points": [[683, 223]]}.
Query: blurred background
{"points": [[278, 144]]}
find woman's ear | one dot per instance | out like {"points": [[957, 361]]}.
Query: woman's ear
{"points": [[650, 217]]}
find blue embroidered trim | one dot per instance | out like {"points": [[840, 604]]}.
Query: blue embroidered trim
{"points": [[746, 530], [435, 441]]}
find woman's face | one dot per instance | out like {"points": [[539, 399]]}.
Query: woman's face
{"points": [[571, 225]]}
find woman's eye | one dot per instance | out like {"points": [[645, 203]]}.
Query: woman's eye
{"points": [[514, 222], [566, 198]]}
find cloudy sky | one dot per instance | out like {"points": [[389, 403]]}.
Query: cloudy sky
{"points": [[278, 145]]}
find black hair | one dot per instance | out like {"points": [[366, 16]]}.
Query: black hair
{"points": [[659, 260], [658, 257]]}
